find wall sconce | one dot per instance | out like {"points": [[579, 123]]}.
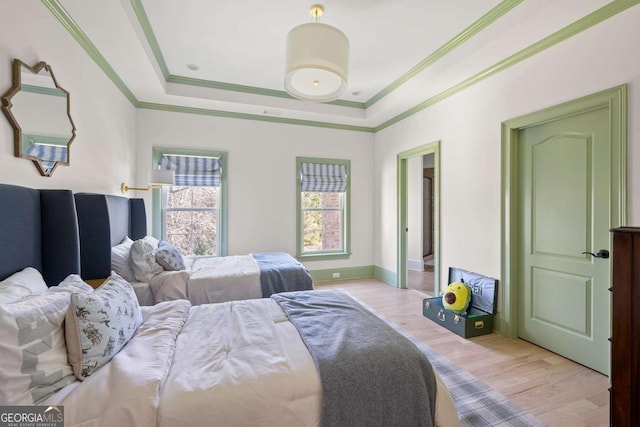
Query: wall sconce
{"points": [[158, 179]]}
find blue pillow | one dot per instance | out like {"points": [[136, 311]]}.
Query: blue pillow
{"points": [[169, 257]]}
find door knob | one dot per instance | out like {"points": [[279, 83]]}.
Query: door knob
{"points": [[602, 253]]}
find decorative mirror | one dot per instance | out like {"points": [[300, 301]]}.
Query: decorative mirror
{"points": [[38, 109]]}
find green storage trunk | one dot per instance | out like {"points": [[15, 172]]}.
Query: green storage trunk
{"points": [[478, 320]]}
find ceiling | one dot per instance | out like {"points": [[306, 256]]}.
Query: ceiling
{"points": [[401, 51]]}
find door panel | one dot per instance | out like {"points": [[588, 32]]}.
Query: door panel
{"points": [[561, 159], [554, 312], [564, 183]]}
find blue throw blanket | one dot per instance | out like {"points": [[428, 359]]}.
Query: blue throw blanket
{"points": [[280, 272], [371, 375]]}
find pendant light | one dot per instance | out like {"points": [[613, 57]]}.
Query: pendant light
{"points": [[317, 60]]}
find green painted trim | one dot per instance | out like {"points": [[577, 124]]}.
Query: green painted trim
{"points": [[432, 148], [143, 19], [571, 30], [65, 19], [250, 89], [145, 24], [486, 20], [346, 244], [223, 224], [479, 25], [387, 276], [50, 91], [245, 116], [578, 26], [615, 99], [323, 257], [346, 273]]}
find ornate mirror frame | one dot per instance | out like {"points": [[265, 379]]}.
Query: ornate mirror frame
{"points": [[45, 149]]}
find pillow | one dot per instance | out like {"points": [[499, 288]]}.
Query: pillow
{"points": [[72, 283], [169, 257], [99, 324], [142, 259], [150, 239], [34, 356], [21, 284], [120, 259]]}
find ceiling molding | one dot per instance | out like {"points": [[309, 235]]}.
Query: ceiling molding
{"points": [[150, 36], [479, 25], [602, 14], [250, 89], [67, 22], [143, 20], [255, 117], [482, 23]]}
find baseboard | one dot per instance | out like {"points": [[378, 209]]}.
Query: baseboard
{"points": [[328, 275], [363, 272], [387, 276], [415, 264]]}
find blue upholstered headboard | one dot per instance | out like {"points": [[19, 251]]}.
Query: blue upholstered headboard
{"points": [[38, 228], [104, 221]]}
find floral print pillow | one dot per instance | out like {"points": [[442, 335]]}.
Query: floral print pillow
{"points": [[169, 257], [99, 324]]}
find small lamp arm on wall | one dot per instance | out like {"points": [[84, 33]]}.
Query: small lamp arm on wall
{"points": [[158, 179]]}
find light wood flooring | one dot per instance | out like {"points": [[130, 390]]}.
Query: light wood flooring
{"points": [[420, 281], [556, 390]]}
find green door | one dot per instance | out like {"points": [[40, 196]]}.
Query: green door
{"points": [[564, 205]]}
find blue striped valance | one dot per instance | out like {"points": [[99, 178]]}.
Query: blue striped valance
{"points": [[193, 170], [48, 154], [323, 177]]}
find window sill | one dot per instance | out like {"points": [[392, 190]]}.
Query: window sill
{"points": [[323, 256]]}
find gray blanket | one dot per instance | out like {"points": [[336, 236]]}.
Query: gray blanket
{"points": [[280, 272], [371, 375]]}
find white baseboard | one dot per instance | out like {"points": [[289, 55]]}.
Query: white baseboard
{"points": [[415, 264]]}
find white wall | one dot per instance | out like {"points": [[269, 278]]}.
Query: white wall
{"points": [[468, 126], [102, 154], [262, 175]]}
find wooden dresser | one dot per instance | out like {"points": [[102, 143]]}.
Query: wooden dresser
{"points": [[625, 329]]}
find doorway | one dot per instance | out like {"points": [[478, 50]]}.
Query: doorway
{"points": [[420, 173], [563, 188], [418, 219]]}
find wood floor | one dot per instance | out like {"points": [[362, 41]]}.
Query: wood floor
{"points": [[556, 390]]}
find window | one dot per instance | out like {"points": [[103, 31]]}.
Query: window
{"points": [[191, 212], [323, 208]]}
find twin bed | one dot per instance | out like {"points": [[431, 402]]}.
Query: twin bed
{"points": [[304, 358], [109, 225]]}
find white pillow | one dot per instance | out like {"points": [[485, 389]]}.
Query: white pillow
{"points": [[120, 259], [21, 284], [99, 324], [142, 259], [150, 239], [72, 283], [34, 356]]}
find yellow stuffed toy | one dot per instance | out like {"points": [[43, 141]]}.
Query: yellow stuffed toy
{"points": [[456, 297]]}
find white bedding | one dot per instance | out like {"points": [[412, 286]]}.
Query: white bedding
{"points": [[209, 280], [237, 363]]}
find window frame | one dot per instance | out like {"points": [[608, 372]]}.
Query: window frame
{"points": [[158, 196], [345, 252]]}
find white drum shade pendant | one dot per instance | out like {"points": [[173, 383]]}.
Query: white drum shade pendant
{"points": [[317, 61]]}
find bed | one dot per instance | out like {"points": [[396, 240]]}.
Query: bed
{"points": [[111, 227], [260, 362]]}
